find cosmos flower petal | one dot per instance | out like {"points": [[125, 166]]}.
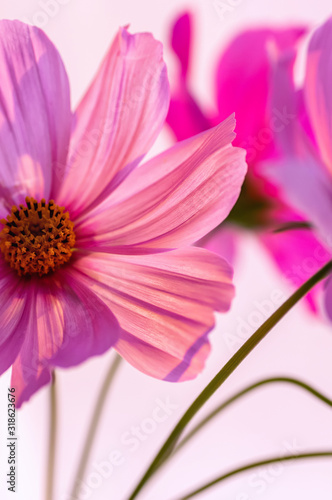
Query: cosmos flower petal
{"points": [[35, 116], [164, 302], [286, 104], [223, 242], [305, 258], [66, 325], [91, 330], [291, 122], [13, 314], [181, 41], [328, 299], [307, 253], [172, 200], [304, 180], [27, 379], [117, 121], [318, 92], [185, 116], [160, 363], [243, 78], [306, 186]]}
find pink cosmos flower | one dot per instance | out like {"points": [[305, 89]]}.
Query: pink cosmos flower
{"points": [[304, 167], [243, 85], [115, 266]]}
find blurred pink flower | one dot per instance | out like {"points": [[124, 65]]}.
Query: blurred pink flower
{"points": [[116, 269], [303, 170], [243, 86]]}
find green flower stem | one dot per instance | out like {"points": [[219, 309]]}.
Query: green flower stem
{"points": [[226, 371], [234, 472], [52, 440], [291, 226], [94, 424], [245, 391]]}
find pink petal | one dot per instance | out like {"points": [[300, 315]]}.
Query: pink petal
{"points": [[117, 121], [165, 303], [304, 181], [318, 91], [293, 132], [298, 254], [185, 116], [172, 200], [222, 241], [181, 40], [35, 117], [243, 80], [90, 328], [27, 379], [306, 186], [159, 364], [285, 101], [67, 324], [328, 299], [13, 316]]}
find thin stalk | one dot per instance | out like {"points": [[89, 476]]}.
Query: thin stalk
{"points": [[226, 371], [52, 440], [245, 391], [254, 465], [93, 427]]}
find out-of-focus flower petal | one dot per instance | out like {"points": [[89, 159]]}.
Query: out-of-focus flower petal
{"points": [[293, 129], [172, 200], [165, 303], [298, 254], [286, 100], [181, 41], [306, 186], [318, 91], [117, 121], [185, 116], [67, 323], [304, 181], [328, 299], [243, 80], [35, 116]]}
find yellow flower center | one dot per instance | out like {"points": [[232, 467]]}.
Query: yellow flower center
{"points": [[37, 238]]}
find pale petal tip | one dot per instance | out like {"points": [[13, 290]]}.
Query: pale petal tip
{"points": [[125, 38]]}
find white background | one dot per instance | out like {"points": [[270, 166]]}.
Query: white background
{"points": [[263, 424]]}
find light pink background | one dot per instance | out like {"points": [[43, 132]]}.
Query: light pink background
{"points": [[267, 423]]}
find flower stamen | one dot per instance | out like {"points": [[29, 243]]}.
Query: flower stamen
{"points": [[37, 238]]}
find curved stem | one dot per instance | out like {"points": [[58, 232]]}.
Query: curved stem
{"points": [[290, 226], [234, 472], [52, 440], [226, 371], [245, 391], [94, 424]]}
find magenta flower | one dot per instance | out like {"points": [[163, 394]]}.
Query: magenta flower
{"points": [[114, 267], [304, 167], [243, 85]]}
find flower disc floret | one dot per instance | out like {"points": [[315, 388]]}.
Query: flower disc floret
{"points": [[37, 238]]}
